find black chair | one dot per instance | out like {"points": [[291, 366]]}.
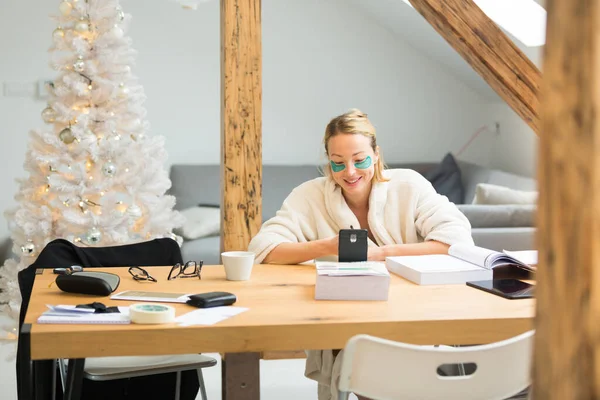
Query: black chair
{"points": [[125, 382]]}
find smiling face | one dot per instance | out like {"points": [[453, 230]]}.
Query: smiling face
{"points": [[350, 166]]}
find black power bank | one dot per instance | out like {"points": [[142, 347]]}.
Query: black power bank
{"points": [[353, 245]]}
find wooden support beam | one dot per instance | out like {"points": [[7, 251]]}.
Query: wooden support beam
{"points": [[489, 52], [241, 123], [567, 346]]}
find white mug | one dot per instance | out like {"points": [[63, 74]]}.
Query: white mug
{"points": [[238, 265]]}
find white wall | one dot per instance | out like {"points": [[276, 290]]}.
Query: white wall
{"points": [[320, 58], [516, 146]]}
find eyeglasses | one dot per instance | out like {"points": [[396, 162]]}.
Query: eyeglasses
{"points": [[190, 269], [140, 274]]}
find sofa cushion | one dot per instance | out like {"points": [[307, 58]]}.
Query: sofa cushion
{"points": [[513, 181], [200, 222], [446, 179], [195, 184], [494, 194], [498, 216]]}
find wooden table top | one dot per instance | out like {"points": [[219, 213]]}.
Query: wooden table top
{"points": [[282, 315]]}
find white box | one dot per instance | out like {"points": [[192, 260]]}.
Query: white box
{"points": [[352, 281]]}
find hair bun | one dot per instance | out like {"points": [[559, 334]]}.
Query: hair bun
{"points": [[356, 113]]}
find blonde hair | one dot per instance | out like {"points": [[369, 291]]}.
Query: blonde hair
{"points": [[354, 122]]}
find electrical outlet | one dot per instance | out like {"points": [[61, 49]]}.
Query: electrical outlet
{"points": [[19, 89]]}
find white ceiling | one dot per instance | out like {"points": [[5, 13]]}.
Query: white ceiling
{"points": [[410, 26]]}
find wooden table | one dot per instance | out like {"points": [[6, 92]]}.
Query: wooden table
{"points": [[282, 315]]}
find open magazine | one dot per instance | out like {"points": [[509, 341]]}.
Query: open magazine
{"points": [[489, 259], [463, 263]]}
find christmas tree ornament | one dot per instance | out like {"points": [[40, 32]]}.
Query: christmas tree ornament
{"points": [[79, 64], [66, 135], [48, 115], [82, 26], [65, 8], [117, 31], [134, 211], [58, 33], [123, 90], [109, 169], [120, 14], [93, 236], [28, 249]]}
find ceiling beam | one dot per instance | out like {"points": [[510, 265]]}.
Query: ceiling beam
{"points": [[489, 52]]}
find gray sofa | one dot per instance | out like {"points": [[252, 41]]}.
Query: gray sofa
{"points": [[493, 227]]}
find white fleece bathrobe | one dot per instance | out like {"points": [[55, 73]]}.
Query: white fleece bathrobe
{"points": [[406, 209]]}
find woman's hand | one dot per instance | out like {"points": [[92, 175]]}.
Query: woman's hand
{"points": [[332, 244], [375, 253]]}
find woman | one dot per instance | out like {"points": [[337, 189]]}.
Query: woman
{"points": [[399, 208]]}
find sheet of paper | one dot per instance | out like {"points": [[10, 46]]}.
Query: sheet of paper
{"points": [[332, 268], [208, 316]]}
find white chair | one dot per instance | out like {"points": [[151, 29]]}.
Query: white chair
{"points": [[387, 370], [110, 368]]}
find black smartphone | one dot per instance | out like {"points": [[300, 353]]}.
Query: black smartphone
{"points": [[507, 288], [352, 245]]}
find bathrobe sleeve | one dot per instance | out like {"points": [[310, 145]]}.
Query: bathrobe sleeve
{"points": [[293, 223]]}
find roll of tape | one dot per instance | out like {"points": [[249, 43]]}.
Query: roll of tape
{"points": [[143, 313]]}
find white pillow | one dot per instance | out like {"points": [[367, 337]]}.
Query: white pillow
{"points": [[486, 193], [200, 222]]}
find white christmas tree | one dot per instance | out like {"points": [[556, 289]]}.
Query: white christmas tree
{"points": [[95, 177]]}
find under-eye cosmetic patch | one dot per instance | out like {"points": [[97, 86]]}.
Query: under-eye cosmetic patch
{"points": [[337, 167], [364, 164]]}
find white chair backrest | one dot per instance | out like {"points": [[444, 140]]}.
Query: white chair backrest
{"points": [[387, 370]]}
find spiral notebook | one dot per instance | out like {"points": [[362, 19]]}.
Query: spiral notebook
{"points": [[66, 314]]}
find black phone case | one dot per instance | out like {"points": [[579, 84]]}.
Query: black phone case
{"points": [[352, 245], [211, 299]]}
